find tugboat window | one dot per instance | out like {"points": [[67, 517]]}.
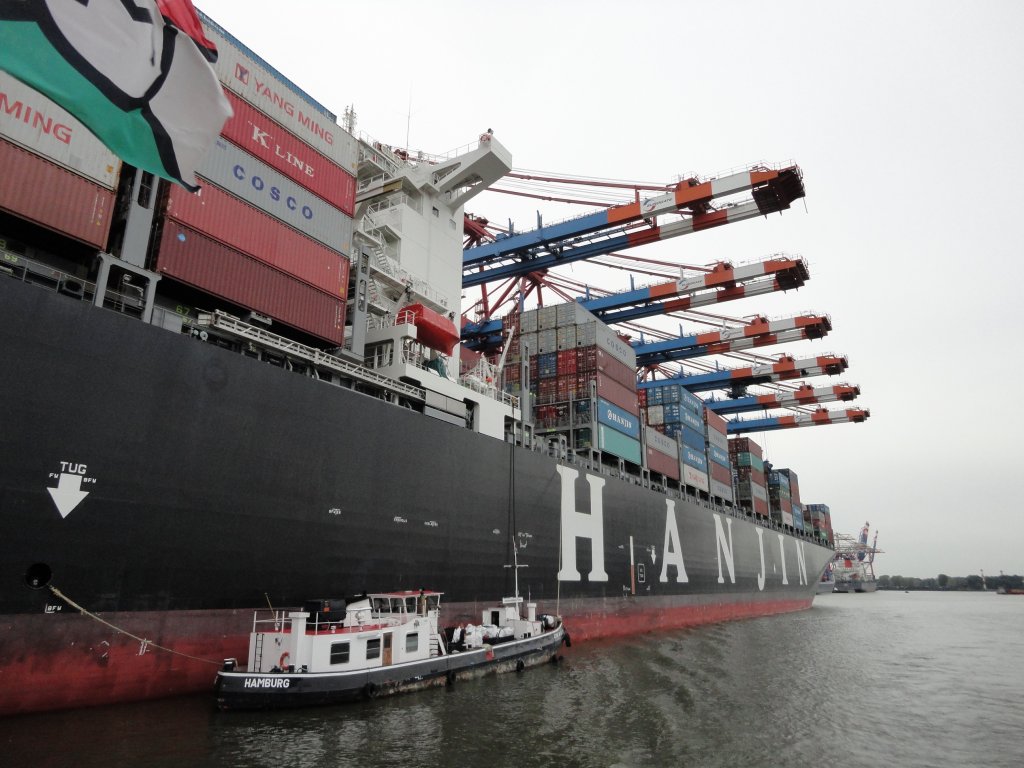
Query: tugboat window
{"points": [[339, 653], [412, 643], [373, 648]]}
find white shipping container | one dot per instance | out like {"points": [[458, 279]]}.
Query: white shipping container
{"points": [[34, 122], [252, 180], [252, 81], [547, 318], [662, 443], [609, 341], [527, 345], [695, 477], [528, 321], [547, 341], [566, 336], [721, 490], [718, 439], [656, 416]]}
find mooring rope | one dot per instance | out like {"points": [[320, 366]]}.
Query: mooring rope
{"points": [[144, 644]]}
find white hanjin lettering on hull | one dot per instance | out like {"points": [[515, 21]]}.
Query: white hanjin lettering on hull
{"points": [[581, 525], [673, 550], [760, 546], [723, 547]]}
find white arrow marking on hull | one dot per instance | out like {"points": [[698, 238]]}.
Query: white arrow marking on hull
{"points": [[68, 494]]}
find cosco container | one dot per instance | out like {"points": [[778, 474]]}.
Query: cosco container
{"points": [[265, 89], [32, 121], [261, 186], [662, 444], [245, 281], [52, 197], [611, 343], [222, 217], [266, 139]]}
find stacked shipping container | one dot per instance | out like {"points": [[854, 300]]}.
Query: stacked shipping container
{"points": [[779, 497], [719, 464], [277, 206], [748, 462], [821, 521], [582, 377]]}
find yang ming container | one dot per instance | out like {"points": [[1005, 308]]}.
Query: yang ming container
{"points": [[32, 121]]}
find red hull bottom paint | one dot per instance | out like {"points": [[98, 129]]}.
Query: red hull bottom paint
{"points": [[51, 662]]}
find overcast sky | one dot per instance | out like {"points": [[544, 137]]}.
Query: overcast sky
{"points": [[906, 118]]}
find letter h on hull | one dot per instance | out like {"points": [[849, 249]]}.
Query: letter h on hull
{"points": [[581, 525]]}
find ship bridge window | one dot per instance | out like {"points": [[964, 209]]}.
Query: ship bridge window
{"points": [[373, 648], [412, 642], [339, 653]]}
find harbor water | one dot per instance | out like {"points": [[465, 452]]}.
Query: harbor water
{"points": [[891, 678]]}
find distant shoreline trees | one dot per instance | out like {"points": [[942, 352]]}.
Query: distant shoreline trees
{"points": [[942, 582]]}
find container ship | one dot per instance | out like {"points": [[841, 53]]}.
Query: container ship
{"points": [[257, 395]]}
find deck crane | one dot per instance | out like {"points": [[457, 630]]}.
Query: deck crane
{"points": [[782, 369], [819, 417], [633, 224], [723, 282], [804, 395], [759, 332]]}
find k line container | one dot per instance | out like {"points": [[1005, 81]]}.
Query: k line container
{"points": [[265, 90], [53, 197], [266, 139], [241, 279], [261, 186], [222, 217], [33, 122]]}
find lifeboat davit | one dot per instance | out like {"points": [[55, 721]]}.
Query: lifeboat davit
{"points": [[433, 329]]}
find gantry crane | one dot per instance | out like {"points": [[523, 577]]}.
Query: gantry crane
{"points": [[783, 369], [804, 395], [819, 417], [633, 224]]}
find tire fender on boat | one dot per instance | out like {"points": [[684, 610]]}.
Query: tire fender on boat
{"points": [[450, 677], [520, 665], [369, 691]]}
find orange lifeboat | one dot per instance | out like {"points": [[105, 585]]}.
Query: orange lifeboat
{"points": [[433, 329]]}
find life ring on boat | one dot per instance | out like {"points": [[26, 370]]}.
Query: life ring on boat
{"points": [[283, 661]]}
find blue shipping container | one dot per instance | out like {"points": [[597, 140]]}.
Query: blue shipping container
{"points": [[618, 419], [717, 455], [695, 459]]}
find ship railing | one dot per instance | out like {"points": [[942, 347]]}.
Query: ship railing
{"points": [[230, 324]]}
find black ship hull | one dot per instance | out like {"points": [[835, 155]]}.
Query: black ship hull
{"points": [[170, 487]]}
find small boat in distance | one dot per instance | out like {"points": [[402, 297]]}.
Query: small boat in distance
{"points": [[382, 643]]}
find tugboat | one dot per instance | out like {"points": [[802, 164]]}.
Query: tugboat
{"points": [[382, 643]]}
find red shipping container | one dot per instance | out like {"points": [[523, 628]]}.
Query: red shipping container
{"points": [[248, 282], [745, 445], [761, 507], [616, 394], [257, 134], [659, 462], [720, 473], [586, 358], [615, 369], [225, 218], [566, 361], [714, 421], [55, 198], [563, 386]]}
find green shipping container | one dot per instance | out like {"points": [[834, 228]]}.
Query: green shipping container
{"points": [[618, 444]]}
